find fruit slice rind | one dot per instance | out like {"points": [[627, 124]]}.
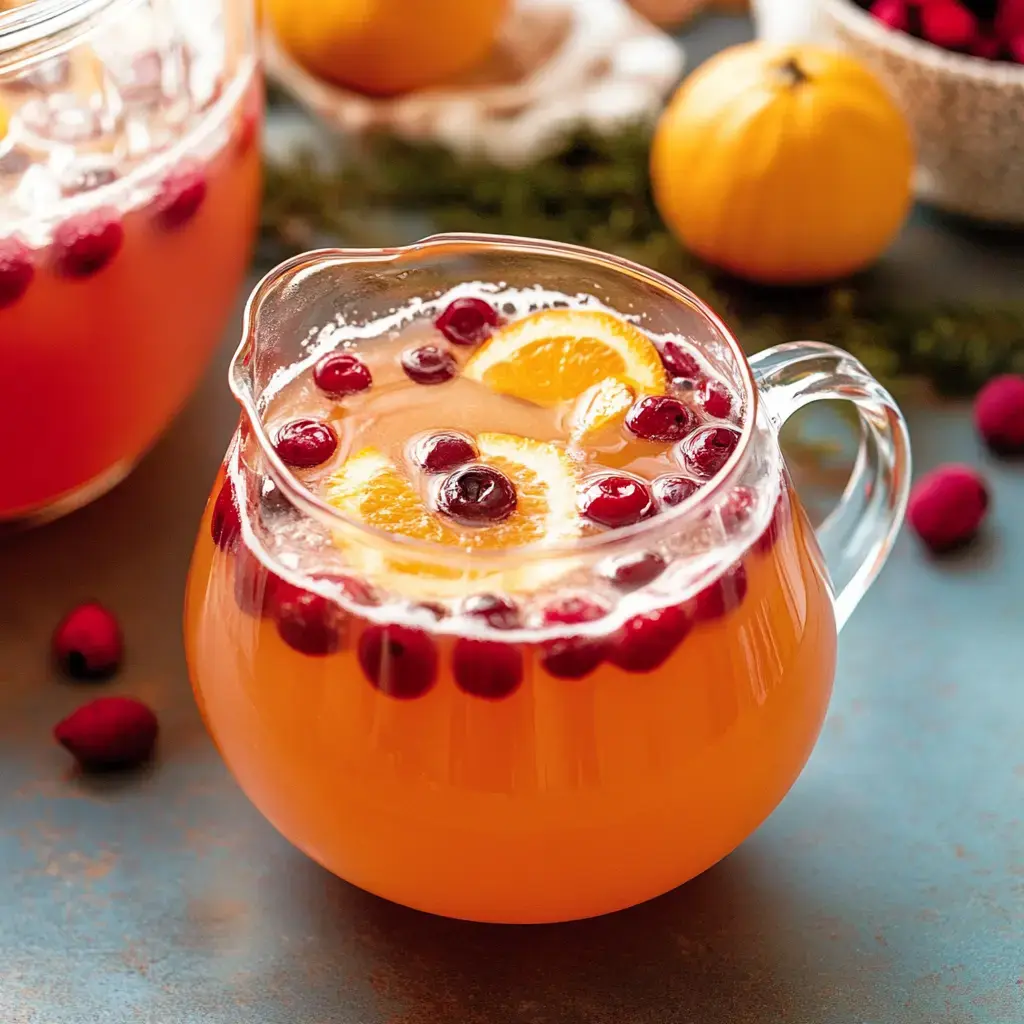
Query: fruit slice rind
{"points": [[554, 355]]}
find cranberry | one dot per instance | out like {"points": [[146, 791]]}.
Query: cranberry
{"points": [[399, 660], [573, 657], [305, 442], [486, 668], [497, 612], [986, 46], [467, 321], [341, 373], [660, 418], [440, 453], [616, 501], [1010, 19], [85, 243], [477, 495], [738, 506], [636, 570], [999, 414], [181, 194], [892, 13], [16, 270], [87, 642], [645, 642], [722, 596], [947, 506], [307, 622], [429, 364], [715, 399], [1017, 49], [707, 450], [225, 522], [254, 585], [111, 732], [679, 362], [670, 491], [948, 24]]}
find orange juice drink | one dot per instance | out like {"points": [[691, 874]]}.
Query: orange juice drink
{"points": [[129, 189], [503, 606]]}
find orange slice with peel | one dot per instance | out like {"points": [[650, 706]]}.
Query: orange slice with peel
{"points": [[554, 355], [371, 489]]}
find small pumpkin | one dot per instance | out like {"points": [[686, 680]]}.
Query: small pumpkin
{"points": [[783, 164]]}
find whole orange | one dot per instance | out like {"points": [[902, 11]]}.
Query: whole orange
{"points": [[387, 47], [783, 164]]}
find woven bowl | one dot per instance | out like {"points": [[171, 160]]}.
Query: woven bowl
{"points": [[967, 114]]}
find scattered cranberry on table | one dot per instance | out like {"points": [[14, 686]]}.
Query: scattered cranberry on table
{"points": [[109, 733], [87, 642], [999, 414], [947, 506]]}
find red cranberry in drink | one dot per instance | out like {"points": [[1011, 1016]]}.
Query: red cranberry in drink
{"points": [[1009, 21], [181, 194], [616, 501], [308, 623], [400, 661], [340, 374], [999, 414], [487, 668], [87, 642], [16, 270], [722, 596], [573, 657], [467, 321], [636, 570], [715, 399], [680, 362], [85, 243], [987, 46], [707, 450], [660, 418], [645, 642], [305, 443], [670, 491], [109, 733], [892, 13], [225, 523], [948, 24], [440, 453], [738, 507], [498, 612], [477, 496], [429, 364]]}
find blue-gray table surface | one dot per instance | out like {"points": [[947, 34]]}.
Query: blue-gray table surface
{"points": [[887, 889]]}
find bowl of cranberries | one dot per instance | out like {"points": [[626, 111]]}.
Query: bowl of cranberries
{"points": [[957, 69]]}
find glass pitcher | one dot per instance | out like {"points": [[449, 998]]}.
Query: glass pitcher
{"points": [[410, 716], [129, 193]]}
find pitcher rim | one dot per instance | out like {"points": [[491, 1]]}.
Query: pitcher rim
{"points": [[306, 500]]}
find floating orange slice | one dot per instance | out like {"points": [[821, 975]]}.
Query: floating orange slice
{"points": [[372, 489], [553, 356]]}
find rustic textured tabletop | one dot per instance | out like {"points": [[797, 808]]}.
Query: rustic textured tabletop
{"points": [[887, 889]]}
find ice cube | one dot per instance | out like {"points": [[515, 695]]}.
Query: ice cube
{"points": [[38, 189], [62, 118]]}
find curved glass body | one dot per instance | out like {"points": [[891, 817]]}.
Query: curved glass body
{"points": [[574, 794], [129, 191]]}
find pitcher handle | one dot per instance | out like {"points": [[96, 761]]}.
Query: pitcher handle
{"points": [[859, 532]]}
